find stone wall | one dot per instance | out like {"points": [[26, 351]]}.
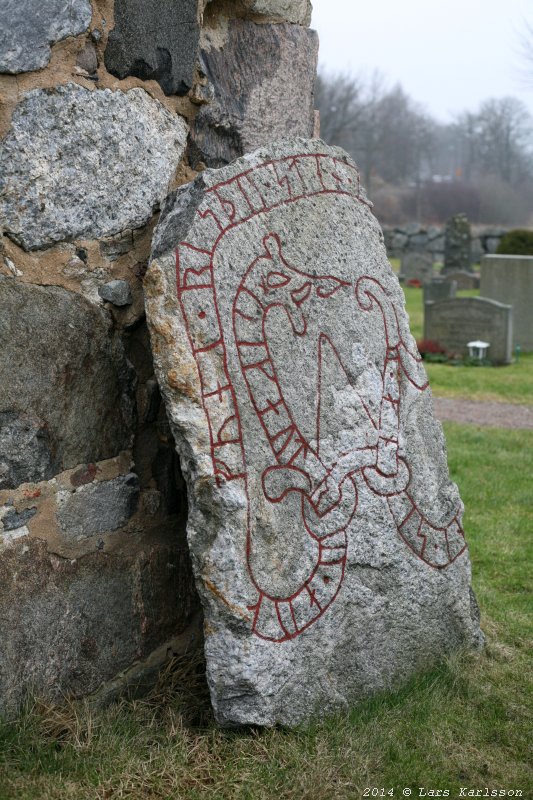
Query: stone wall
{"points": [[414, 237], [103, 111]]}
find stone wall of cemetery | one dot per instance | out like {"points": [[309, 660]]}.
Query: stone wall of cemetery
{"points": [[105, 108], [415, 237]]}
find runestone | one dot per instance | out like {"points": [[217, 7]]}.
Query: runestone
{"points": [[324, 530]]}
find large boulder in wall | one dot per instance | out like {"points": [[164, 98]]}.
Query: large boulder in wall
{"points": [[28, 29], [325, 532], [85, 163], [259, 87], [68, 391]]}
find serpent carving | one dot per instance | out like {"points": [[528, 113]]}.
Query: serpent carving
{"points": [[327, 489], [328, 502]]}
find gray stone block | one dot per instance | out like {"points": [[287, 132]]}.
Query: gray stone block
{"points": [[419, 241], [87, 59], [155, 40], [116, 292], [439, 289], [457, 244], [12, 520], [262, 83], [434, 232], [81, 163], [399, 241], [324, 530], [476, 250], [463, 279], [67, 390], [27, 451], [413, 228], [491, 244], [417, 266], [68, 625], [28, 28], [297, 11], [97, 507], [436, 245]]}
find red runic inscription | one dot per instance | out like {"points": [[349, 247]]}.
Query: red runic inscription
{"points": [[328, 492]]}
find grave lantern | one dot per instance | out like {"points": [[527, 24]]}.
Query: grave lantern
{"points": [[478, 349]]}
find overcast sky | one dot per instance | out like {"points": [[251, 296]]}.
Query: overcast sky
{"points": [[448, 55]]}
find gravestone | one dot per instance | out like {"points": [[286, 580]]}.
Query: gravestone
{"points": [[438, 289], [457, 244], [454, 323], [416, 266], [463, 279], [509, 279], [324, 530]]}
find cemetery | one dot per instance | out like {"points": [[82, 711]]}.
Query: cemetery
{"points": [[265, 460]]}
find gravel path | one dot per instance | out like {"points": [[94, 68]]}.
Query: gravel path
{"points": [[499, 415]]}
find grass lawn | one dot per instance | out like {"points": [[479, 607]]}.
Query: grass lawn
{"points": [[468, 722], [510, 384]]}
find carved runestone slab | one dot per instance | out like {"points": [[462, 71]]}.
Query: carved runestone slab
{"points": [[325, 533]]}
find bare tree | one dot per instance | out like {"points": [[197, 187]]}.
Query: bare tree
{"points": [[382, 128], [367, 146], [406, 139], [526, 54], [422, 167], [496, 140], [338, 99], [505, 138]]}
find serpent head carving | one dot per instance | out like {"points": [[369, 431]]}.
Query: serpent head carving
{"points": [[275, 282]]}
